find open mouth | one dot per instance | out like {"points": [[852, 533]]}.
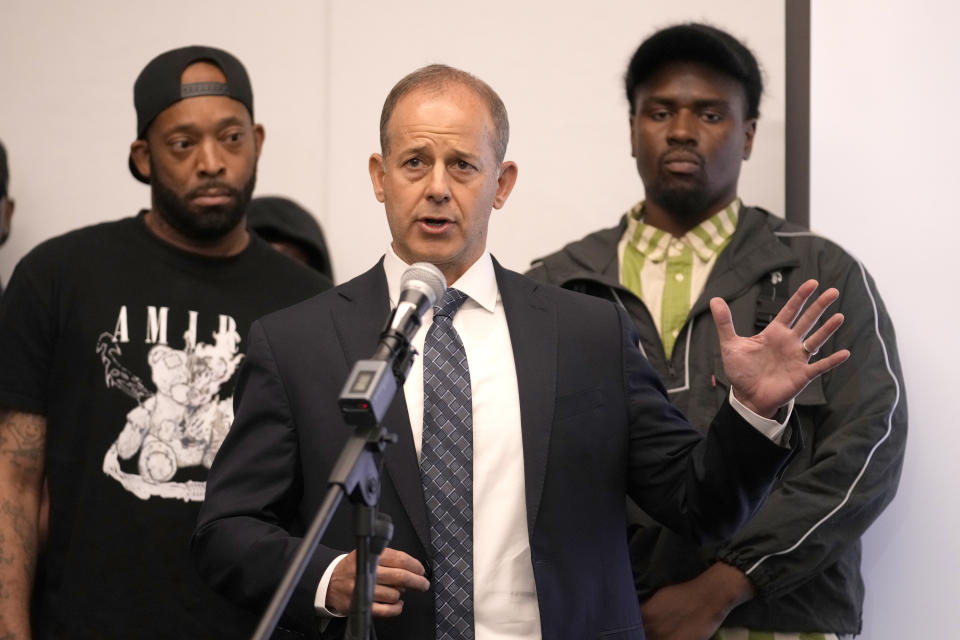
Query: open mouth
{"points": [[435, 224]]}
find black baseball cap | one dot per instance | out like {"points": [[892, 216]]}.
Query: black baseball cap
{"points": [[158, 86]]}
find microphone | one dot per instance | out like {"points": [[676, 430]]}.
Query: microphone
{"points": [[421, 285], [373, 383]]}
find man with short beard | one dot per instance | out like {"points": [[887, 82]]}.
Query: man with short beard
{"points": [[694, 94], [118, 348]]}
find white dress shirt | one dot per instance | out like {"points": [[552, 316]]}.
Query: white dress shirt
{"points": [[505, 596]]}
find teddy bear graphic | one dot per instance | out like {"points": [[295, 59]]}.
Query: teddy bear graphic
{"points": [[181, 424]]}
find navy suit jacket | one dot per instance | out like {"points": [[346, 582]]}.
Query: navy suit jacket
{"points": [[596, 426]]}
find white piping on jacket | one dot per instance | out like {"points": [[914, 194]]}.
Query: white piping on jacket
{"points": [[866, 462]]}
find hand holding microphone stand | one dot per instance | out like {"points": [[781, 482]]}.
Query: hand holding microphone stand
{"points": [[366, 396]]}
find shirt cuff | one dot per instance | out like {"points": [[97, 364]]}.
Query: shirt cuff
{"points": [[321, 599], [768, 427]]}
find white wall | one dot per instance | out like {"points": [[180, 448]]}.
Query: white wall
{"points": [[884, 184]]}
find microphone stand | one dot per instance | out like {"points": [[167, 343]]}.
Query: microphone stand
{"points": [[366, 396]]}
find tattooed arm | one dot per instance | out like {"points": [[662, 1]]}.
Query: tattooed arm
{"points": [[22, 438]]}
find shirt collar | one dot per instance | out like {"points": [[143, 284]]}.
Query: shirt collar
{"points": [[479, 282], [706, 240]]}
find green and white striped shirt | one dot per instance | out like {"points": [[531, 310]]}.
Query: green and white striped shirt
{"points": [[669, 273]]}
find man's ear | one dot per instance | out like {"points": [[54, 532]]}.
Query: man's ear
{"points": [[633, 146], [505, 182], [258, 136], [377, 170], [749, 131], [140, 154]]}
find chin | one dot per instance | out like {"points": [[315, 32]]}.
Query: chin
{"points": [[437, 252]]}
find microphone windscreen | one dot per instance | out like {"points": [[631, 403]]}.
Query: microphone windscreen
{"points": [[426, 278]]}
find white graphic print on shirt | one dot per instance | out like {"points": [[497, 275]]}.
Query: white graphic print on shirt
{"points": [[183, 422]]}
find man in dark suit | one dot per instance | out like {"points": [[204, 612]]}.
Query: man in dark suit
{"points": [[516, 530]]}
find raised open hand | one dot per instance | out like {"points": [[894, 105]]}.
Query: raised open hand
{"points": [[769, 369]]}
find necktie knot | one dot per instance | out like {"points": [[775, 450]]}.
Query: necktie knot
{"points": [[449, 304]]}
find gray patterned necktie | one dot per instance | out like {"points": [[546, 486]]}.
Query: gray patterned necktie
{"points": [[446, 468]]}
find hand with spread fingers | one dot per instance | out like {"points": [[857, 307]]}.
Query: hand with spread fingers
{"points": [[769, 369]]}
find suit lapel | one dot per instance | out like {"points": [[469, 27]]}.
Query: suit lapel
{"points": [[532, 323], [364, 310]]}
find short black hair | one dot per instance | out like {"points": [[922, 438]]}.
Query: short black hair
{"points": [[701, 43], [4, 172]]}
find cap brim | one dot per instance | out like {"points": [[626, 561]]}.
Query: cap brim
{"points": [[136, 174]]}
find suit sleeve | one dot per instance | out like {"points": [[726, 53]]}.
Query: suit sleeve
{"points": [[246, 532], [857, 433], [702, 487]]}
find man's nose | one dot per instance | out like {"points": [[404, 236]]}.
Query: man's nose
{"points": [[210, 158], [438, 188], [683, 128]]}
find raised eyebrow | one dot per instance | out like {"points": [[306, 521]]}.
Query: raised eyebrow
{"points": [[412, 151], [229, 121], [181, 128]]}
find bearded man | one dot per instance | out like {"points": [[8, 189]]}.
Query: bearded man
{"points": [[118, 346]]}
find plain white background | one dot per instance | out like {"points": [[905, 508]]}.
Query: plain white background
{"points": [[884, 184], [884, 142]]}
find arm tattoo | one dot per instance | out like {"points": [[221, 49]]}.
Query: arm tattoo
{"points": [[22, 447], [25, 533], [22, 438]]}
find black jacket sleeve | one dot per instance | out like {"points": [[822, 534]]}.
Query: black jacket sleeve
{"points": [[246, 532]]}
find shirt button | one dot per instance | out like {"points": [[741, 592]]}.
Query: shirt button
{"points": [[675, 332], [678, 277]]}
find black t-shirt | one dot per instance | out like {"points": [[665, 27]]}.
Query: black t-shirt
{"points": [[130, 347]]}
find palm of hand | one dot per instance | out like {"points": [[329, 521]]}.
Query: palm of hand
{"points": [[769, 369]]}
